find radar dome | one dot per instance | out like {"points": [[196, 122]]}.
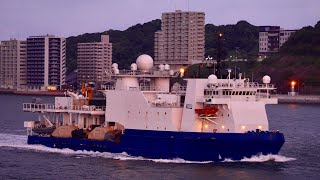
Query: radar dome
{"points": [[212, 79], [167, 67], [266, 79], [133, 66], [115, 66], [161, 67], [144, 62]]}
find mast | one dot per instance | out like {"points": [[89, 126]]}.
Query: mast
{"points": [[219, 56]]}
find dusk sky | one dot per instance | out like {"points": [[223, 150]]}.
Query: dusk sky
{"points": [[22, 18]]}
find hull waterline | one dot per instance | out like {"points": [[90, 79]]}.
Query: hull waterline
{"points": [[169, 145]]}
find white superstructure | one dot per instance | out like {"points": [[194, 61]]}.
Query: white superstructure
{"points": [[144, 98]]}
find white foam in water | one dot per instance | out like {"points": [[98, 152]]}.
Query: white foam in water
{"points": [[263, 158], [269, 157], [20, 142]]}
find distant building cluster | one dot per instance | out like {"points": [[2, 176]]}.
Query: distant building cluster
{"points": [[39, 62], [271, 38], [181, 39], [35, 63]]}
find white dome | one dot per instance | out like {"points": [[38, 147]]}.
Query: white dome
{"points": [[133, 66], [212, 79], [115, 66], [161, 67], [167, 67], [266, 79], [144, 62]]}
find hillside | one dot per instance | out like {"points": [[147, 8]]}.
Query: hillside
{"points": [[299, 59], [127, 45], [240, 39]]}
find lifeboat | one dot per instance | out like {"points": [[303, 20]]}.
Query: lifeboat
{"points": [[207, 111]]}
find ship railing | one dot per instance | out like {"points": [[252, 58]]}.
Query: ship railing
{"points": [[144, 73], [37, 107], [140, 88], [241, 85], [166, 105], [89, 108], [45, 107]]}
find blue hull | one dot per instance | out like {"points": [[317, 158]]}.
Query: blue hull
{"points": [[168, 145]]}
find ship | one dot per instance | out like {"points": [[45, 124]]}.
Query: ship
{"points": [[143, 113]]}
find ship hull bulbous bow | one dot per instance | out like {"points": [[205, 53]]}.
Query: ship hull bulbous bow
{"points": [[169, 145]]}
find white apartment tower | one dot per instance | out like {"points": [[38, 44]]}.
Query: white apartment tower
{"points": [[13, 69], [271, 38], [46, 61], [93, 60], [181, 39]]}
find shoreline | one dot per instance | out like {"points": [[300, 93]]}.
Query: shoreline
{"points": [[298, 99], [40, 93]]}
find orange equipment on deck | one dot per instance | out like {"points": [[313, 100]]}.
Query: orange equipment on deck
{"points": [[87, 91], [207, 111]]}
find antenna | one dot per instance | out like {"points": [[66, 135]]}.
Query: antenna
{"points": [[219, 55]]}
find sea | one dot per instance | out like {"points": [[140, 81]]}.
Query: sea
{"points": [[298, 159]]}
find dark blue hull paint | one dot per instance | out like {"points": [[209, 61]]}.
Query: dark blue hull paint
{"points": [[168, 145]]}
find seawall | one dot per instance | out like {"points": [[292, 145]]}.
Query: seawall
{"points": [[300, 99]]}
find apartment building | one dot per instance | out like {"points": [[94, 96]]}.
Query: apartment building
{"points": [[46, 61], [271, 38], [181, 39], [284, 35], [93, 60], [13, 70]]}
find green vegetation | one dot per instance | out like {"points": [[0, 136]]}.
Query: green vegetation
{"points": [[239, 40], [299, 57], [127, 45]]}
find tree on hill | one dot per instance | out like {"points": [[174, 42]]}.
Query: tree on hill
{"points": [[305, 41], [127, 45], [239, 39], [299, 59]]}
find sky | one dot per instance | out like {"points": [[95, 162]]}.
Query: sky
{"points": [[22, 18]]}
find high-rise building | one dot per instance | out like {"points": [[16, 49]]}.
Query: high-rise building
{"points": [[181, 39], [46, 61], [13, 64], [93, 60], [271, 38]]}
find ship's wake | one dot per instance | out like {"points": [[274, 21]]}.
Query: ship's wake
{"points": [[20, 142]]}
